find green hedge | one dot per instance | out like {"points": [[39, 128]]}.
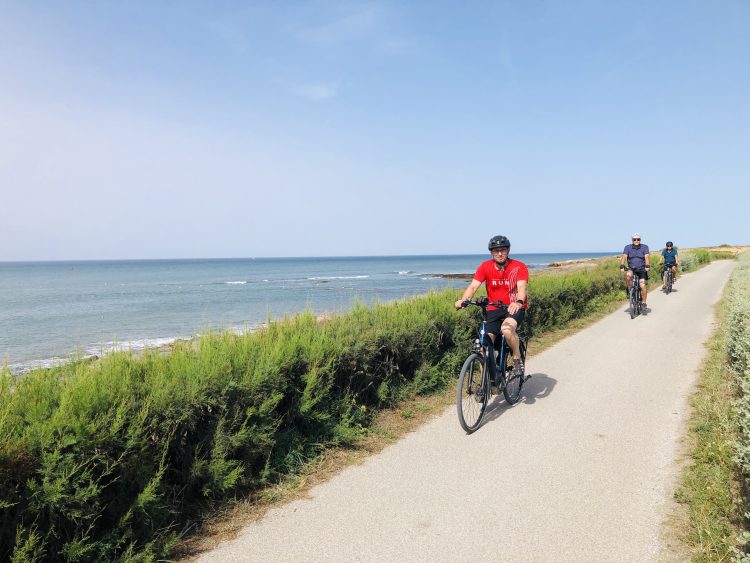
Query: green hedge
{"points": [[112, 459]]}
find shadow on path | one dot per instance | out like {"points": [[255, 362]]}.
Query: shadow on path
{"points": [[539, 386]]}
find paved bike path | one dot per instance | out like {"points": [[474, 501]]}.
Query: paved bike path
{"points": [[583, 469]]}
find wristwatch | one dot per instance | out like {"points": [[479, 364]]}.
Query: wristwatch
{"points": [[519, 301]]}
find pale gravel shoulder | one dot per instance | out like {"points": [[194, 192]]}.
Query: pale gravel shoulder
{"points": [[583, 469]]}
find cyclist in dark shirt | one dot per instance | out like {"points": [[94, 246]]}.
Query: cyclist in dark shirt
{"points": [[670, 260], [639, 261], [505, 280]]}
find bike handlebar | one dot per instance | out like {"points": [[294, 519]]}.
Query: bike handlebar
{"points": [[483, 303]]}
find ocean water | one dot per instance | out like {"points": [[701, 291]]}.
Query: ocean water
{"points": [[52, 311]]}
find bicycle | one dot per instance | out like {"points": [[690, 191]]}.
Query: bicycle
{"points": [[668, 279], [480, 377], [634, 296]]}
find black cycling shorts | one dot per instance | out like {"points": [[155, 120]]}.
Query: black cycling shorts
{"points": [[496, 317], [640, 273]]}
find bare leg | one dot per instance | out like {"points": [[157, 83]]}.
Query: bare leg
{"points": [[511, 337]]}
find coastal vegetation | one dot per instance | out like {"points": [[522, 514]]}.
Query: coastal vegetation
{"points": [[738, 349], [716, 482], [113, 459]]}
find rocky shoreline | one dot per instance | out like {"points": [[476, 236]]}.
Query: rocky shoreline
{"points": [[564, 266]]}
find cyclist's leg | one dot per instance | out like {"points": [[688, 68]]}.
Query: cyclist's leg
{"points": [[644, 287], [664, 277], [510, 332]]}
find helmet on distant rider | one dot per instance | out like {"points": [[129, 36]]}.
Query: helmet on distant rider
{"points": [[669, 243], [498, 241]]}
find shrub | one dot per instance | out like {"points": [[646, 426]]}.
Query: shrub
{"points": [[738, 351]]}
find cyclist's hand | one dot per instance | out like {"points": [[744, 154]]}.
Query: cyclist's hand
{"points": [[622, 267], [460, 304], [648, 268]]}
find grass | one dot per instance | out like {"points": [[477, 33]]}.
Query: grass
{"points": [[712, 484], [709, 486]]}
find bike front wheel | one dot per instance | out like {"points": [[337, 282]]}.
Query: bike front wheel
{"points": [[633, 302], [669, 283], [513, 382], [473, 392]]}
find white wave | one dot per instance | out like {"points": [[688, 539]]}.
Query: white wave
{"points": [[404, 272], [25, 367], [132, 345], [235, 282], [317, 278]]}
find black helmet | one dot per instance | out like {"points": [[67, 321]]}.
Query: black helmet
{"points": [[669, 243], [498, 241]]}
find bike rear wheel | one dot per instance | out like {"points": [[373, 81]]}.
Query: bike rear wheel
{"points": [[473, 392], [513, 383]]}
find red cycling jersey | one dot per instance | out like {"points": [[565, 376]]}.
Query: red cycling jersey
{"points": [[502, 285]]}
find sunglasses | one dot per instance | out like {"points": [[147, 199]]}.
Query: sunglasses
{"points": [[636, 239]]}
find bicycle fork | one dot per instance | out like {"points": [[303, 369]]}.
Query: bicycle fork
{"points": [[493, 358]]}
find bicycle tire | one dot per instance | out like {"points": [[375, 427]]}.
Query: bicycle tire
{"points": [[472, 392], [669, 282], [513, 383]]}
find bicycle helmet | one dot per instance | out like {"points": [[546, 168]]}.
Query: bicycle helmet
{"points": [[498, 241], [669, 243]]}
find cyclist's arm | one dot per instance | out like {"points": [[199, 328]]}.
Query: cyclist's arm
{"points": [[661, 258], [520, 294], [623, 259], [468, 293], [647, 260]]}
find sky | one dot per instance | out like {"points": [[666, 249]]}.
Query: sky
{"points": [[180, 129]]}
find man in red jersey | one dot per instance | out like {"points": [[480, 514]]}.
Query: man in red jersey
{"points": [[506, 280]]}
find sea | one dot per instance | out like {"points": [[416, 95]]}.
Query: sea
{"points": [[51, 312]]}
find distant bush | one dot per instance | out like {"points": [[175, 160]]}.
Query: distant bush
{"points": [[555, 300], [112, 459], [693, 259]]}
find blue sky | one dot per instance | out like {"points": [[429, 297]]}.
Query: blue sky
{"points": [[148, 129]]}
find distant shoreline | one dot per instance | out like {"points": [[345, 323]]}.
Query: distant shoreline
{"points": [[552, 267]]}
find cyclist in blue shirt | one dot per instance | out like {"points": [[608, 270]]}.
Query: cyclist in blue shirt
{"points": [[670, 260], [639, 262]]}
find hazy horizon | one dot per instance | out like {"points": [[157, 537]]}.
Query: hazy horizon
{"points": [[218, 258]]}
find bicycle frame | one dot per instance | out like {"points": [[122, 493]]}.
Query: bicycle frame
{"points": [[668, 278], [634, 295], [484, 344]]}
